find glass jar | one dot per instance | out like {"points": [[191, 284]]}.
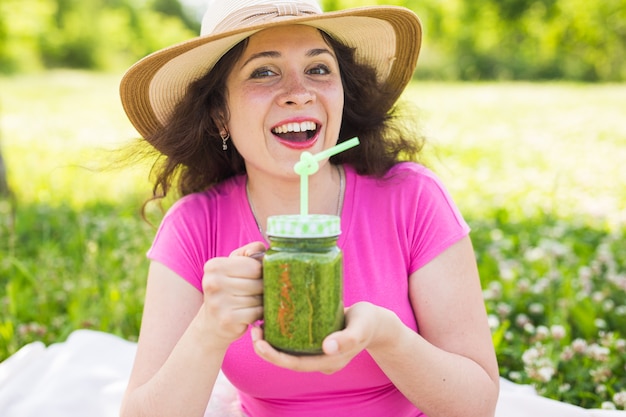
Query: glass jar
{"points": [[303, 282]]}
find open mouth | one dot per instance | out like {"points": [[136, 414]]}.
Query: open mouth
{"points": [[296, 132]]}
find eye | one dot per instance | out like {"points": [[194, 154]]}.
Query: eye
{"points": [[320, 69], [262, 73]]}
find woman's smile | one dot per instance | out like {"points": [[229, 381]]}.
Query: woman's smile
{"points": [[297, 134]]}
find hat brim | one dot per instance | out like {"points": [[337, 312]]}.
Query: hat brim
{"points": [[386, 37]]}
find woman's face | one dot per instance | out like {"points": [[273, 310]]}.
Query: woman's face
{"points": [[284, 96]]}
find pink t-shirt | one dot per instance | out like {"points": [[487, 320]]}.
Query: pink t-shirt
{"points": [[391, 227]]}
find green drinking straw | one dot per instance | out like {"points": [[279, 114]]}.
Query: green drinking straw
{"points": [[309, 165]]}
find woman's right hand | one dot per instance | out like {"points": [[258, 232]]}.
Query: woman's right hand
{"points": [[233, 293]]}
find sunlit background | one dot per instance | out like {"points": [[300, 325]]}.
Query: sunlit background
{"points": [[523, 103], [491, 39]]}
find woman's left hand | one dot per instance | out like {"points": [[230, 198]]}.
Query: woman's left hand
{"points": [[363, 320]]}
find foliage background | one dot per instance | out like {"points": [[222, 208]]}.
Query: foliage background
{"points": [[536, 167], [542, 186], [464, 39]]}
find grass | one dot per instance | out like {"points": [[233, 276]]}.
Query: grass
{"points": [[536, 169]]}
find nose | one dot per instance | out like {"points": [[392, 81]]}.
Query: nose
{"points": [[296, 92]]}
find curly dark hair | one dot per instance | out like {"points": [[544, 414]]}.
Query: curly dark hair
{"points": [[191, 156]]}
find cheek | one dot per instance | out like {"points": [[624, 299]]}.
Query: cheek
{"points": [[336, 101], [336, 94], [244, 110], [248, 111], [246, 125]]}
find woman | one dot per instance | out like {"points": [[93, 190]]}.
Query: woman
{"points": [[231, 111]]}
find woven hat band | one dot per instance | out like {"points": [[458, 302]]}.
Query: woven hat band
{"points": [[250, 16]]}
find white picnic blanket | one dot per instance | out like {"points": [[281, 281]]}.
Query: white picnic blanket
{"points": [[86, 376]]}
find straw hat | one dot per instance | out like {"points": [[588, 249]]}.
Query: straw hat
{"points": [[386, 37]]}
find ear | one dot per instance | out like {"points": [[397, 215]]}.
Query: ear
{"points": [[221, 124]]}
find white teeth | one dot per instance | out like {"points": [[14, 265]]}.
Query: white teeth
{"points": [[295, 127]]}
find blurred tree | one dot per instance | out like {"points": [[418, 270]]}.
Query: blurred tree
{"points": [[94, 34], [330, 5], [463, 39], [22, 21], [72, 38], [4, 41], [174, 8], [4, 183]]}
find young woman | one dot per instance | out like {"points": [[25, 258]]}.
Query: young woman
{"points": [[230, 112]]}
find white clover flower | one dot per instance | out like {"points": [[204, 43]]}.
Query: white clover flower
{"points": [[503, 309], [620, 345], [608, 305], [620, 281], [565, 388], [507, 273], [92, 247], [619, 398], [496, 234], [597, 352], [523, 285], [538, 367], [585, 273], [596, 267], [541, 286], [579, 345], [542, 332], [531, 355], [567, 354], [515, 376], [534, 254], [493, 321], [522, 320], [600, 323], [536, 308], [599, 376], [608, 405], [604, 253], [493, 291], [558, 332], [607, 338], [555, 247], [546, 373]]}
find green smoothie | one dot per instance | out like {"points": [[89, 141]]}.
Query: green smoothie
{"points": [[303, 292]]}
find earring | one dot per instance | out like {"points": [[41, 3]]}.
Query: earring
{"points": [[225, 136]]}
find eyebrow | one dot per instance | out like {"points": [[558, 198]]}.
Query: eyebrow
{"points": [[275, 54]]}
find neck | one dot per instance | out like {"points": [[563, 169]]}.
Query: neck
{"points": [[326, 189]]}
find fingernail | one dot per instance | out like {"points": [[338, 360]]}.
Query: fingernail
{"points": [[331, 347]]}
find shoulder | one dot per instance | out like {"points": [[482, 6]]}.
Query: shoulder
{"points": [[404, 177], [191, 231], [407, 191], [410, 171], [208, 200]]}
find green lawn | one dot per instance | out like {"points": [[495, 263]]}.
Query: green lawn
{"points": [[537, 169]]}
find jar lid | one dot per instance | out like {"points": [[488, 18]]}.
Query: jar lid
{"points": [[311, 225]]}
